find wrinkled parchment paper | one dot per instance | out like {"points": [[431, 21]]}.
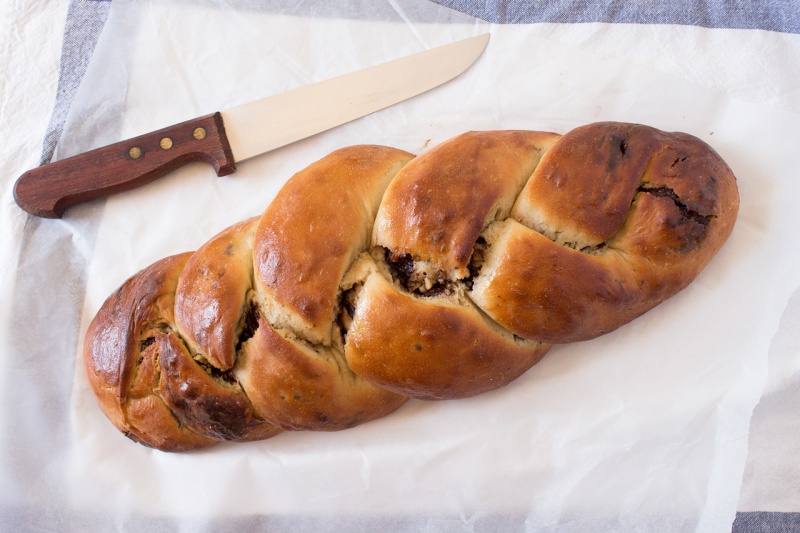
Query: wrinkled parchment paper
{"points": [[772, 473], [645, 428]]}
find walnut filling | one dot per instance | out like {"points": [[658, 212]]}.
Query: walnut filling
{"points": [[424, 279], [418, 277]]}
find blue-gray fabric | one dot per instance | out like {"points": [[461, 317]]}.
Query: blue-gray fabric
{"points": [[85, 20], [772, 15], [766, 522]]}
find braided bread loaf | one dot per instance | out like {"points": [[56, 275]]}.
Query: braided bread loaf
{"points": [[375, 276]]}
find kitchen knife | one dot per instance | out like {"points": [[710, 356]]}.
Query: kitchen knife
{"points": [[225, 138]]}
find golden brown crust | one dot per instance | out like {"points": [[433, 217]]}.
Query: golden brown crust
{"points": [[375, 277], [211, 293], [295, 388], [585, 183], [541, 290], [648, 231], [146, 381], [309, 236], [431, 348], [440, 203], [210, 404], [121, 351]]}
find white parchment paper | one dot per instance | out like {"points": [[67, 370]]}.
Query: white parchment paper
{"points": [[643, 429]]}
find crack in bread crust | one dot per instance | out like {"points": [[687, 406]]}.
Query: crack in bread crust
{"points": [[375, 276]]}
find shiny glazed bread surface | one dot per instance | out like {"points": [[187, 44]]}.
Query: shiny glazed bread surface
{"points": [[375, 276]]}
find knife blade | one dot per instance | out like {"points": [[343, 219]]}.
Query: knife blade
{"points": [[225, 138]]}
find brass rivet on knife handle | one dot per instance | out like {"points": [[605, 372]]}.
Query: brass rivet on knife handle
{"points": [[47, 191]]}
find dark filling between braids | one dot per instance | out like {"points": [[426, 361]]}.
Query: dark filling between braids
{"points": [[686, 212]]}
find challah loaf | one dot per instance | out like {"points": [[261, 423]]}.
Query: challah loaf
{"points": [[375, 276]]}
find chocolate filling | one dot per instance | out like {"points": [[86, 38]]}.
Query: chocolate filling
{"points": [[476, 261], [143, 344], [218, 375], [402, 266], [686, 212], [347, 310], [249, 325]]}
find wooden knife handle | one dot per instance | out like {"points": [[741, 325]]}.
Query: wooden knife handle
{"points": [[47, 191]]}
